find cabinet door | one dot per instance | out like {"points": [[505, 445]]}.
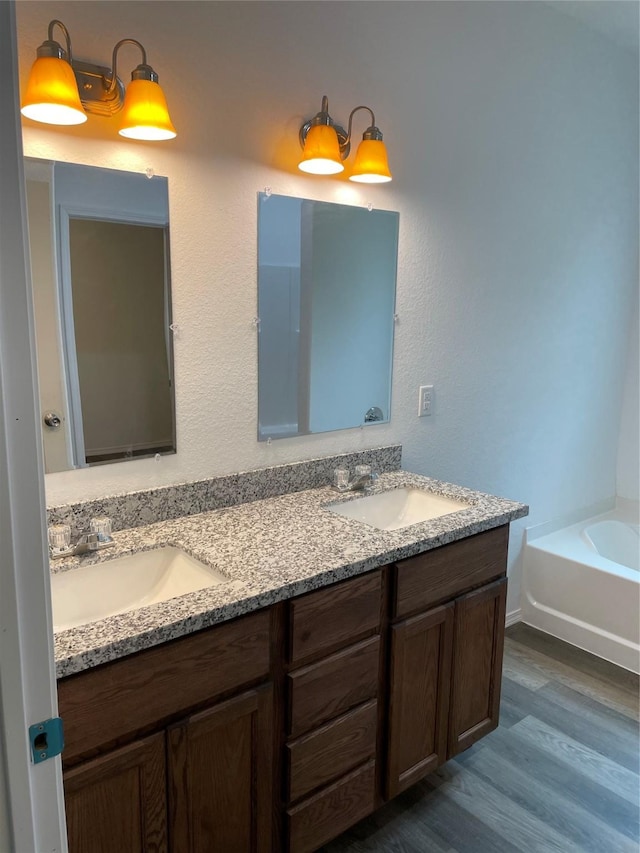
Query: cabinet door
{"points": [[419, 696], [477, 665], [220, 777], [118, 801]]}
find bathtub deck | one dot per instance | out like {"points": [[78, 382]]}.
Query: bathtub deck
{"points": [[559, 774]]}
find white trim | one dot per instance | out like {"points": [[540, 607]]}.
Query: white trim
{"points": [[513, 617], [67, 328], [27, 673]]}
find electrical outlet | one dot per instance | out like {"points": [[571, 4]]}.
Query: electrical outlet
{"points": [[425, 400]]}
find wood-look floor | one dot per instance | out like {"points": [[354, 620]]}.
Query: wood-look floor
{"points": [[559, 774]]}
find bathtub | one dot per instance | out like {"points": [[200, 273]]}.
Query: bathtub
{"points": [[582, 584]]}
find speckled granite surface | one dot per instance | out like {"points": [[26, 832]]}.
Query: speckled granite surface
{"points": [[162, 504], [269, 550]]}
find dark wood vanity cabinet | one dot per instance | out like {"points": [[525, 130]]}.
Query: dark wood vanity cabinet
{"points": [[446, 661], [419, 687], [118, 801], [219, 776], [281, 729], [203, 780], [333, 700], [478, 645]]}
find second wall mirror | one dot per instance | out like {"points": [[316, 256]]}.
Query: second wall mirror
{"points": [[326, 302]]}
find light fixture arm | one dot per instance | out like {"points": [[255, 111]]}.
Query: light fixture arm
{"points": [[142, 71], [372, 132], [51, 48]]}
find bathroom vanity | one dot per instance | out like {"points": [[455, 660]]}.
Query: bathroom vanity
{"points": [[278, 729]]}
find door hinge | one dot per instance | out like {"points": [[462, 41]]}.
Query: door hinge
{"points": [[47, 739]]}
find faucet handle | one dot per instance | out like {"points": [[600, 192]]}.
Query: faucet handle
{"points": [[341, 479], [59, 536], [373, 477], [101, 526]]}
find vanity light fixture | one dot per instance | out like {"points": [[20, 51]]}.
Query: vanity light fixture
{"points": [[61, 90], [325, 145]]}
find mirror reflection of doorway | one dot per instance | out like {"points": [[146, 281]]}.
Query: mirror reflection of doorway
{"points": [[117, 349]]}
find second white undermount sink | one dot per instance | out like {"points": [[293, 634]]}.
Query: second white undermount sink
{"points": [[397, 508], [89, 593]]}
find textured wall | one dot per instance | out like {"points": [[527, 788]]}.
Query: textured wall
{"points": [[512, 132]]}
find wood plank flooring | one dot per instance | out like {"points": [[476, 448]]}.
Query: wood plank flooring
{"points": [[559, 774]]}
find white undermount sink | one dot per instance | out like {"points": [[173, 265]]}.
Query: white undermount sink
{"points": [[90, 593], [397, 508]]}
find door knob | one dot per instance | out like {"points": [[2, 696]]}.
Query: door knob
{"points": [[52, 420]]}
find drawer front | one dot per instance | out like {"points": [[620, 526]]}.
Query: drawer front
{"points": [[339, 614], [324, 690], [450, 570], [333, 810], [327, 753], [116, 700]]}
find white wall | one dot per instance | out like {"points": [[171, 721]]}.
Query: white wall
{"points": [[628, 451], [512, 133]]}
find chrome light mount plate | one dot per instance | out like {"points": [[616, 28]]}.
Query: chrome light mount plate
{"points": [[93, 84]]}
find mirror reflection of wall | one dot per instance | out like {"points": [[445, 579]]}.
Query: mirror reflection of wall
{"points": [[326, 297], [100, 269]]}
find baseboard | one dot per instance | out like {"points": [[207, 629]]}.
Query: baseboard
{"points": [[513, 617]]}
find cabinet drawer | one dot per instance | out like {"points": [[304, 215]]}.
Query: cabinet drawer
{"points": [[450, 570], [333, 810], [331, 751], [114, 701], [323, 690], [339, 614]]}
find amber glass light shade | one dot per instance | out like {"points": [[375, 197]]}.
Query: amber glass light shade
{"points": [[371, 165], [321, 154], [52, 93], [145, 114]]}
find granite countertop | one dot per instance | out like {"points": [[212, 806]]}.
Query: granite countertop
{"points": [[270, 550]]}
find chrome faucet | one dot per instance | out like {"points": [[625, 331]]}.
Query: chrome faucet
{"points": [[97, 537], [362, 481]]}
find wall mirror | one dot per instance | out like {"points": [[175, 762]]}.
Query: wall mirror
{"points": [[326, 301], [99, 242]]}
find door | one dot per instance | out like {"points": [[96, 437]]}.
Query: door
{"points": [[220, 777], [477, 665], [118, 801], [419, 696], [34, 815]]}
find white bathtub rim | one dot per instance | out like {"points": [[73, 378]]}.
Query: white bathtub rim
{"points": [[567, 544], [627, 547], [537, 531], [572, 545], [622, 509], [604, 645], [587, 556]]}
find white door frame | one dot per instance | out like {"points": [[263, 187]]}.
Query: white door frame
{"points": [[35, 807]]}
